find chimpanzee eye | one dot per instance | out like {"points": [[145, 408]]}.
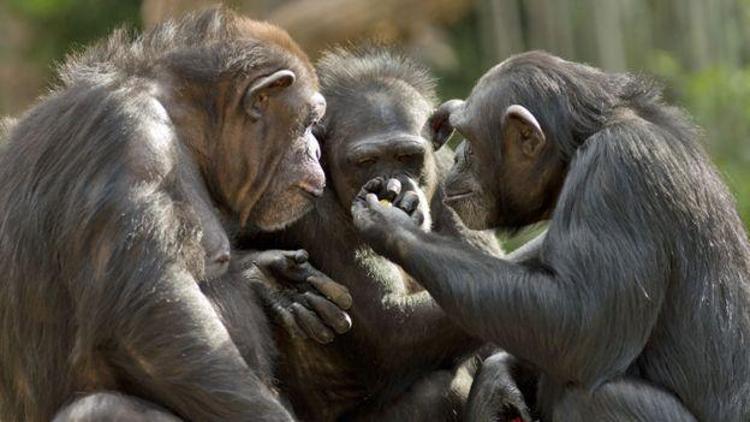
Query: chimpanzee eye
{"points": [[366, 162], [405, 158]]}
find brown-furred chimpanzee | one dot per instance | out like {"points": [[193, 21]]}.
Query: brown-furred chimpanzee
{"points": [[636, 307], [398, 361], [100, 234]]}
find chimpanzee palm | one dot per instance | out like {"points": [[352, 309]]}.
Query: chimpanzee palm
{"points": [[636, 308]]}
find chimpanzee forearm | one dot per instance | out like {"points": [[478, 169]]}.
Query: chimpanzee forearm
{"points": [[410, 324], [525, 310], [197, 371], [529, 251]]}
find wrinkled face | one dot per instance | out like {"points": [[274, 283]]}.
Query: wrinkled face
{"points": [[471, 185], [505, 174], [299, 178], [473, 200], [266, 163], [377, 133]]}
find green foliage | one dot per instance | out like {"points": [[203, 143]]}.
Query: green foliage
{"points": [[60, 24], [456, 83]]}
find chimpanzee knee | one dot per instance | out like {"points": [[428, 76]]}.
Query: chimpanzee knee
{"points": [[622, 400]]}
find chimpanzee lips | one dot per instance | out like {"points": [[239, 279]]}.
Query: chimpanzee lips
{"points": [[314, 191]]}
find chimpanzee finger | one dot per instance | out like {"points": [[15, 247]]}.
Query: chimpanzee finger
{"points": [[288, 322], [296, 268], [297, 257], [373, 186], [418, 217], [331, 314], [408, 202], [284, 262], [371, 200], [392, 190], [312, 325], [335, 292]]}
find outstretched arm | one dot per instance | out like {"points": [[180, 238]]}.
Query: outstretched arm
{"points": [[582, 314]]}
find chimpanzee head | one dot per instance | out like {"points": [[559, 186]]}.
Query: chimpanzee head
{"points": [[521, 126], [378, 103], [244, 98]]}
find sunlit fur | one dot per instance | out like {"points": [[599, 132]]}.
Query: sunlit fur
{"points": [[100, 245]]}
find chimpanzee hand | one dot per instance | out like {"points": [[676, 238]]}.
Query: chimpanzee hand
{"points": [[303, 311], [381, 207]]}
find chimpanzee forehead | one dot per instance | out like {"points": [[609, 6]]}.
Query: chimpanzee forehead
{"points": [[378, 110], [481, 117]]}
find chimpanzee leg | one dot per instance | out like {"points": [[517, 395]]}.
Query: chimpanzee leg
{"points": [[114, 407], [624, 399], [501, 390], [439, 396]]}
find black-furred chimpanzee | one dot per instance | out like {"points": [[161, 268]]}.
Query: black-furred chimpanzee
{"points": [[101, 232], [398, 361], [637, 307]]}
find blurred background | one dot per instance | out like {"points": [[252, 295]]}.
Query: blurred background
{"points": [[700, 49]]}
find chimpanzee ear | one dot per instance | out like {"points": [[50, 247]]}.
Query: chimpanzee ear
{"points": [[522, 127], [256, 97], [438, 128]]}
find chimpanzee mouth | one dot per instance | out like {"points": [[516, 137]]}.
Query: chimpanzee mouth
{"points": [[309, 190]]}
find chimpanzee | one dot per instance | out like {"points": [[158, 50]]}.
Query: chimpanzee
{"points": [[636, 307], [399, 360], [101, 232]]}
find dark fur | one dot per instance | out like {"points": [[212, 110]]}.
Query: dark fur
{"points": [[398, 361], [637, 306], [101, 240]]}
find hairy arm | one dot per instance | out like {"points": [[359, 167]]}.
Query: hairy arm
{"points": [[162, 334], [585, 311]]}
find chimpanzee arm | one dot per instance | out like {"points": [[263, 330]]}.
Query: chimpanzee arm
{"points": [[529, 251], [143, 309], [586, 311], [176, 349]]}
